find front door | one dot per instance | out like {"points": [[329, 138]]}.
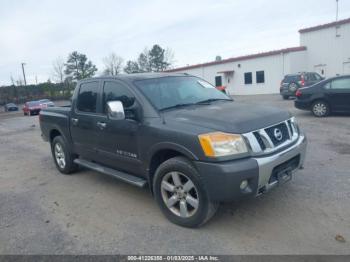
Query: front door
{"points": [[339, 94], [83, 119], [117, 141]]}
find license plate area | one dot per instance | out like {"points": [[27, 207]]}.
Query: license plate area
{"points": [[283, 172]]}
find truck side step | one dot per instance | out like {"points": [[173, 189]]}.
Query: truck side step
{"points": [[134, 180]]}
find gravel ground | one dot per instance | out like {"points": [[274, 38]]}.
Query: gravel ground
{"points": [[43, 212]]}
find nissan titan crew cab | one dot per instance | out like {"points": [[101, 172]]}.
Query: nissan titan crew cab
{"points": [[190, 143]]}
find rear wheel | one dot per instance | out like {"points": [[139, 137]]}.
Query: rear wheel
{"points": [[62, 156], [180, 193], [285, 97], [320, 108]]}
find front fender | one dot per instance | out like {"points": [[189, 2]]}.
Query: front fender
{"points": [[170, 146]]}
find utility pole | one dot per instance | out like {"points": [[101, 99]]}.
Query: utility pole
{"points": [[336, 15], [24, 75]]}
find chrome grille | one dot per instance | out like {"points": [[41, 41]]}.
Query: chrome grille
{"points": [[264, 141], [282, 131]]}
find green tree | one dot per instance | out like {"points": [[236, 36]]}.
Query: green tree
{"points": [[132, 67], [144, 61], [157, 59], [79, 67]]}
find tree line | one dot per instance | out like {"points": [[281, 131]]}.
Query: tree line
{"points": [[65, 74], [78, 66]]}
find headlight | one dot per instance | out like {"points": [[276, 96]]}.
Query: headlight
{"points": [[295, 125], [218, 144]]}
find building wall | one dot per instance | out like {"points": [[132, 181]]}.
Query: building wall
{"points": [[328, 53], [274, 67]]}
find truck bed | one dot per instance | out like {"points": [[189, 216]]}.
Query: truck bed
{"points": [[55, 118]]}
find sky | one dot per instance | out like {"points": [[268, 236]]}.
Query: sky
{"points": [[37, 32]]}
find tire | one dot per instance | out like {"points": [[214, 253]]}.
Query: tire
{"points": [[61, 152], [30, 113], [320, 108], [285, 97], [181, 194]]}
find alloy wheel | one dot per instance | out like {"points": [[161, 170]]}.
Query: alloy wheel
{"points": [[59, 155], [179, 194], [319, 109]]}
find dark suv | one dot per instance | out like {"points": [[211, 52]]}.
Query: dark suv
{"points": [[291, 83]]}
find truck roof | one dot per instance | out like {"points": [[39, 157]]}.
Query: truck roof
{"points": [[137, 76]]}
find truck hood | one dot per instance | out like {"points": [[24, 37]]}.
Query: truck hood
{"points": [[232, 117]]}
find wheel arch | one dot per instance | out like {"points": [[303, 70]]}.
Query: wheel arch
{"points": [[161, 153]]}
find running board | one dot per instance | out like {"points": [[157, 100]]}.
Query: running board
{"points": [[134, 180]]}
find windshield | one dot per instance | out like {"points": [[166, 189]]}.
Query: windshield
{"points": [[33, 103], [167, 92], [291, 78]]}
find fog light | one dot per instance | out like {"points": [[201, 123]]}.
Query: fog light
{"points": [[243, 185]]}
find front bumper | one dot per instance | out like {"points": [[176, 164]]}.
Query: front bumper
{"points": [[222, 180], [303, 105]]}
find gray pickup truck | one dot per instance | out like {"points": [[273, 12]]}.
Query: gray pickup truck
{"points": [[190, 143]]}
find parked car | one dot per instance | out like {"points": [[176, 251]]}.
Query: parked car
{"points": [[10, 107], [291, 83], [163, 130], [329, 96], [32, 108], [46, 103]]}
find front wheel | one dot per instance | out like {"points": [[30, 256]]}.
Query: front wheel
{"points": [[320, 108], [62, 156], [180, 193]]}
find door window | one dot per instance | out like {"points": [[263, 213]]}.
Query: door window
{"points": [[343, 83], [115, 91], [87, 97]]}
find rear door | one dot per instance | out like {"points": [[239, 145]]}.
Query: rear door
{"points": [[83, 118], [338, 93]]}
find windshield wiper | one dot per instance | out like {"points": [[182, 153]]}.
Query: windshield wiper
{"points": [[177, 106], [212, 100]]}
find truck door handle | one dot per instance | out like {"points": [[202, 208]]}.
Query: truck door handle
{"points": [[75, 121], [101, 125]]}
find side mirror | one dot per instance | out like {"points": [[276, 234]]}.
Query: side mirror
{"points": [[115, 110]]}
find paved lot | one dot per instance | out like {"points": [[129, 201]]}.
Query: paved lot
{"points": [[43, 212]]}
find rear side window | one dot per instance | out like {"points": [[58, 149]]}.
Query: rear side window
{"points": [[343, 83], [87, 97], [114, 91], [317, 77], [291, 78]]}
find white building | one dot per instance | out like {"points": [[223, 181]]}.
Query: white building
{"points": [[324, 49]]}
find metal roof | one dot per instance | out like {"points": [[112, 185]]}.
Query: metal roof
{"points": [[241, 58], [319, 27]]}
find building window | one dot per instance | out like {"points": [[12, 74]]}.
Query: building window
{"points": [[218, 81], [248, 78], [260, 77]]}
